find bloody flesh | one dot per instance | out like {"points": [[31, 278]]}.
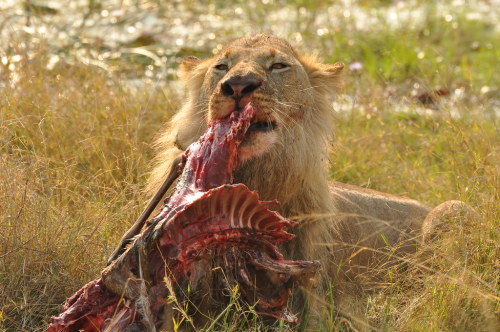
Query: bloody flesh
{"points": [[206, 225]]}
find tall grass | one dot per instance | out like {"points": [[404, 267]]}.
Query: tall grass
{"points": [[452, 283], [75, 147], [73, 154]]}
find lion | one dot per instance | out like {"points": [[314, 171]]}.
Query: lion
{"points": [[285, 155]]}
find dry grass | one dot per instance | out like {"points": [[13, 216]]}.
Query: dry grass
{"points": [[73, 154]]}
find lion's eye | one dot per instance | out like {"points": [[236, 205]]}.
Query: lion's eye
{"points": [[278, 65], [221, 67]]}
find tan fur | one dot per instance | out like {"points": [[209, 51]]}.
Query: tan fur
{"points": [[344, 226]]}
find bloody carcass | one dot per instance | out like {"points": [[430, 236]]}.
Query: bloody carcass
{"points": [[210, 236]]}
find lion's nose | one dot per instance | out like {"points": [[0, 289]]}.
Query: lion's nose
{"points": [[239, 86]]}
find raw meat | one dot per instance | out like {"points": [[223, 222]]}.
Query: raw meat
{"points": [[210, 236]]}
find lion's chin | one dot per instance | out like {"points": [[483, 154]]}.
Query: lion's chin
{"points": [[256, 143]]}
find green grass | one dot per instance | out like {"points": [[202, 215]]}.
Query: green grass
{"points": [[75, 147]]}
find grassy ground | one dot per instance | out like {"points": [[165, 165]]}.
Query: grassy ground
{"points": [[75, 150]]}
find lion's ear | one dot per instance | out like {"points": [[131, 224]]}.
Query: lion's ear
{"points": [[324, 77], [188, 64], [193, 72]]}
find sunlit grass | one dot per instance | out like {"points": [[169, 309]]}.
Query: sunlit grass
{"points": [[453, 284], [75, 147], [73, 154]]}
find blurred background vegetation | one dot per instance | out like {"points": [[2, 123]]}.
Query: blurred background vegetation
{"points": [[85, 85]]}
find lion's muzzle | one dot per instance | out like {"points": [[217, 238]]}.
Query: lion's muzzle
{"points": [[237, 87], [233, 93]]}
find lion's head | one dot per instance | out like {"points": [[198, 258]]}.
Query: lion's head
{"points": [[286, 142]]}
